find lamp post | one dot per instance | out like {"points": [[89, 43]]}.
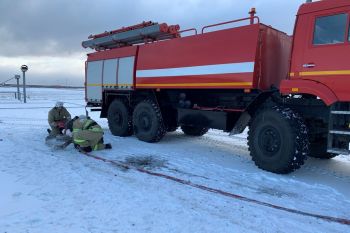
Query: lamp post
{"points": [[17, 77], [24, 69]]}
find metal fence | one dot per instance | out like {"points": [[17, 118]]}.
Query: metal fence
{"points": [[10, 94]]}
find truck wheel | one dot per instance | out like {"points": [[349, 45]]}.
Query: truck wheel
{"points": [[148, 122], [278, 140], [319, 150], [194, 130], [119, 119]]}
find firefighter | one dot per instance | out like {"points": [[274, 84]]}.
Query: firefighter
{"points": [[58, 116], [87, 134]]}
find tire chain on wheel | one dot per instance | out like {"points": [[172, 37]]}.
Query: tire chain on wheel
{"points": [[301, 146], [130, 129], [162, 129]]}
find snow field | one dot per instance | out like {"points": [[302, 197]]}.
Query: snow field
{"points": [[63, 191]]}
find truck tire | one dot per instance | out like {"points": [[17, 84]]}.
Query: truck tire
{"points": [[278, 140], [119, 119], [319, 150], [194, 130], [148, 122]]}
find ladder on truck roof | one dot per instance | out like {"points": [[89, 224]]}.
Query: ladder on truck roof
{"points": [[137, 34]]}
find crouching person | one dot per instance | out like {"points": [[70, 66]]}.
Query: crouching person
{"points": [[88, 135], [57, 118]]}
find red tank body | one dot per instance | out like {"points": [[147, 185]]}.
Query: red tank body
{"points": [[249, 57], [232, 58]]}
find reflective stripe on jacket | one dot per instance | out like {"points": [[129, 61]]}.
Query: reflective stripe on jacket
{"points": [[78, 141], [91, 125]]}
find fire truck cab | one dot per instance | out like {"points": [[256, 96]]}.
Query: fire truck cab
{"points": [[321, 49]]}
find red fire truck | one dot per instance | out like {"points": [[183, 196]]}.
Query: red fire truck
{"points": [[292, 92]]}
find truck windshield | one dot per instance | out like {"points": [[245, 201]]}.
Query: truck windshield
{"points": [[330, 29]]}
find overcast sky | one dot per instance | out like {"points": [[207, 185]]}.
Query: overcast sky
{"points": [[47, 34]]}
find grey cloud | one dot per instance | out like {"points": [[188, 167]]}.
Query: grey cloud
{"points": [[39, 27], [56, 28]]}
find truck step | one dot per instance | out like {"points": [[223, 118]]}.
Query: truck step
{"points": [[96, 109], [339, 151], [342, 132], [341, 112]]}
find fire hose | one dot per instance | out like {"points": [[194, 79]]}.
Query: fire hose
{"points": [[220, 192]]}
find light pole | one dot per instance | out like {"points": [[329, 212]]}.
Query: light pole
{"points": [[24, 69], [17, 77]]}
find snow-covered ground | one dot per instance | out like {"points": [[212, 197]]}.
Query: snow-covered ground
{"points": [[42, 190]]}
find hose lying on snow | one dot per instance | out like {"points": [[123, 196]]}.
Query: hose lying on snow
{"points": [[218, 191]]}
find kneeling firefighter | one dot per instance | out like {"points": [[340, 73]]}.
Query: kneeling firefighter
{"points": [[87, 134]]}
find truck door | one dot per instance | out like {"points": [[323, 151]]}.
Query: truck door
{"points": [[94, 81], [327, 50]]}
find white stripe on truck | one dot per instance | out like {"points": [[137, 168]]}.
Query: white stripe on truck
{"points": [[231, 68]]}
